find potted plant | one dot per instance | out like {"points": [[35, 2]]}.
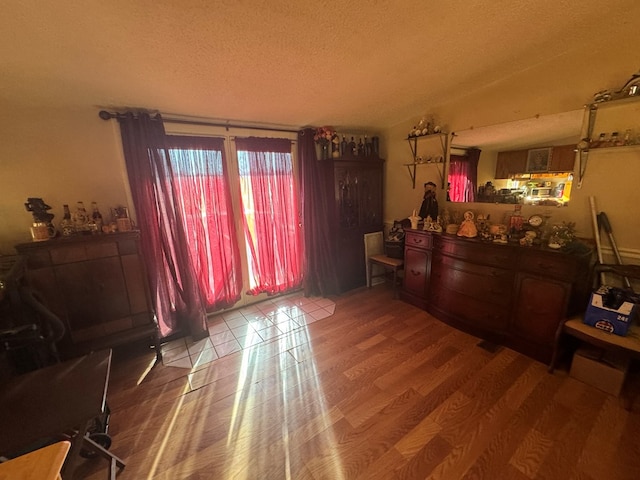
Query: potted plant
{"points": [[562, 234]]}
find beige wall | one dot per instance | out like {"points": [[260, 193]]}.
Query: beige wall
{"points": [[612, 177], [62, 156], [68, 155]]}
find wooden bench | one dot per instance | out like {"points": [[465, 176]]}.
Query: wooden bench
{"points": [[575, 327]]}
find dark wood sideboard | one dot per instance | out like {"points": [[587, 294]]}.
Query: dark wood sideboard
{"points": [[507, 294], [97, 285]]}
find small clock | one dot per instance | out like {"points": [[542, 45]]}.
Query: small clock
{"points": [[535, 220]]}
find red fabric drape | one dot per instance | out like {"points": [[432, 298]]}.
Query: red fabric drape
{"points": [[463, 176], [178, 303], [270, 214], [318, 205], [204, 199]]}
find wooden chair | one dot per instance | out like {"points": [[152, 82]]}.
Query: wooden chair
{"points": [[42, 464], [628, 345], [374, 253]]}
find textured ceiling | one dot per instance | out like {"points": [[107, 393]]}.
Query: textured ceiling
{"points": [[365, 64]]}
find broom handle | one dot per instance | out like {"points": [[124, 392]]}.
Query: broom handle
{"points": [[604, 220], [596, 234]]}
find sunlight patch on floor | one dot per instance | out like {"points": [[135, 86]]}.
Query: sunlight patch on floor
{"points": [[235, 330]]}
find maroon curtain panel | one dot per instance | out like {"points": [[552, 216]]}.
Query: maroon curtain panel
{"points": [[463, 176], [320, 273], [200, 174], [178, 302]]}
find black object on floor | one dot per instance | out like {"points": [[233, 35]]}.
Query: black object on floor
{"points": [[489, 346]]}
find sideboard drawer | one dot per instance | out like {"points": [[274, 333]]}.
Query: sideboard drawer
{"points": [[476, 252], [550, 264], [418, 239], [491, 287]]}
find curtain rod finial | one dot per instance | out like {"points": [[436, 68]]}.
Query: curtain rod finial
{"points": [[104, 115]]}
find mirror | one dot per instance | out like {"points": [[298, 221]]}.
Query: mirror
{"points": [[528, 161]]}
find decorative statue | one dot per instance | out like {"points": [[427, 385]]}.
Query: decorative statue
{"points": [[468, 226], [39, 210], [42, 228], [429, 207]]}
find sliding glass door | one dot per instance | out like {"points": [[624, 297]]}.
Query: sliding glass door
{"points": [[240, 203]]}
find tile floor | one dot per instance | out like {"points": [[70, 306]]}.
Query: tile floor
{"points": [[234, 330]]}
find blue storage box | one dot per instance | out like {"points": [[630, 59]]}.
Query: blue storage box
{"points": [[611, 309]]}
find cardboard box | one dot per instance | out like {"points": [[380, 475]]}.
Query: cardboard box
{"points": [[611, 309], [603, 370]]}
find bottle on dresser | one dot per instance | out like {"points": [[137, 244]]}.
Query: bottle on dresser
{"points": [[66, 224], [96, 218]]}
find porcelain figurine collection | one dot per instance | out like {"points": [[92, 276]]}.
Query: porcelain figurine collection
{"points": [[526, 232]]}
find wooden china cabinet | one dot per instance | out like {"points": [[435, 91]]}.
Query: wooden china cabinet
{"points": [[355, 184]]}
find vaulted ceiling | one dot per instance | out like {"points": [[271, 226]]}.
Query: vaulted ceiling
{"points": [[370, 64]]}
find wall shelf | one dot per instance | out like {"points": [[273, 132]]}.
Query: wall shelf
{"points": [[437, 160], [583, 146], [439, 163]]}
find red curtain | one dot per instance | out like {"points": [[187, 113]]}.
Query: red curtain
{"points": [[204, 200], [463, 176], [178, 302], [318, 202], [270, 214]]}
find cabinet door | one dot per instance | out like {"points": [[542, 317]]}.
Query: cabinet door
{"points": [[370, 193], [416, 271], [347, 197], [358, 195], [563, 158], [540, 306], [94, 291], [511, 163]]}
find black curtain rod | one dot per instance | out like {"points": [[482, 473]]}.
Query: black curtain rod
{"points": [[103, 114]]}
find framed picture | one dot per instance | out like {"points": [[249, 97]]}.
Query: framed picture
{"points": [[538, 160]]}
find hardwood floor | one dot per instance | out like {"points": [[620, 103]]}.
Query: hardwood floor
{"points": [[378, 390]]}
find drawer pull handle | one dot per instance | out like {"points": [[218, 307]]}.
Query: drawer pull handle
{"points": [[415, 272], [417, 240]]}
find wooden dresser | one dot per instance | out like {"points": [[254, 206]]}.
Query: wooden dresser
{"points": [[97, 285], [506, 294]]}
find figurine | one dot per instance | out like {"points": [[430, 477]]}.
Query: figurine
{"points": [[39, 210], [414, 220], [498, 232], [427, 223], [429, 205], [468, 227], [528, 239], [431, 226], [41, 218]]}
